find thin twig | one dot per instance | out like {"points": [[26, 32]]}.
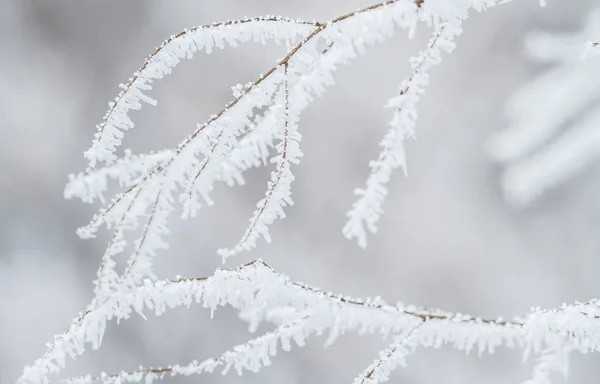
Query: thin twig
{"points": [[185, 32], [280, 166], [226, 359], [135, 257], [319, 27], [389, 353]]}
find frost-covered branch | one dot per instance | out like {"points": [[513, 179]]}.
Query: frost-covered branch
{"points": [[309, 71], [250, 356], [242, 135], [390, 359], [91, 184], [179, 46], [367, 210], [555, 358], [253, 149], [552, 133], [526, 180], [278, 194], [313, 311]]}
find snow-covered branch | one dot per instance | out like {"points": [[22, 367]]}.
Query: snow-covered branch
{"points": [[367, 210], [278, 193], [250, 356], [390, 359], [555, 358], [91, 184], [242, 135], [180, 46], [553, 131], [261, 294]]}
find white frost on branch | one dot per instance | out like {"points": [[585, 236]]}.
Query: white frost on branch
{"points": [[261, 294], [235, 139], [367, 210], [307, 75], [198, 186], [250, 356], [555, 358], [91, 184], [253, 150], [279, 192], [526, 180], [197, 177], [391, 358], [139, 265], [181, 46], [212, 141], [553, 131]]}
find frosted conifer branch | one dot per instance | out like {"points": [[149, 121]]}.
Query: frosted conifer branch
{"points": [[544, 145], [367, 210], [565, 84], [526, 180]]}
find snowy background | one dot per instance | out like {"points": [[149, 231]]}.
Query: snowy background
{"points": [[447, 240]]}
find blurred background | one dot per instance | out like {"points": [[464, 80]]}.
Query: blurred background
{"points": [[448, 238]]}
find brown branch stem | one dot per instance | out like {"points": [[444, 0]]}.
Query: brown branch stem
{"points": [[319, 27]]}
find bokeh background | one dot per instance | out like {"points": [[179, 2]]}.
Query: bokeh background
{"points": [[447, 240]]}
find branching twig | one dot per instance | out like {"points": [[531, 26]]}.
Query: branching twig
{"points": [[258, 292]]}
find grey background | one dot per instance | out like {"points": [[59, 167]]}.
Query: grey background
{"points": [[447, 239]]}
